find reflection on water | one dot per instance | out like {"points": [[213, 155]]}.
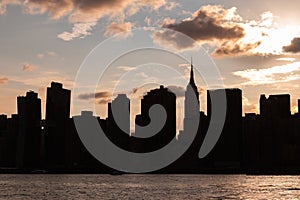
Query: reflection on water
{"points": [[149, 187]]}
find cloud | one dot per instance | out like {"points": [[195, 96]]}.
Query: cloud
{"points": [[207, 25], [210, 23], [103, 97], [97, 95], [172, 5], [276, 74], [91, 10], [41, 79], [178, 90], [294, 47], [286, 59], [173, 40], [84, 14], [28, 68], [226, 32], [248, 106], [235, 48], [126, 68], [122, 29], [80, 30], [104, 101], [83, 11], [51, 53], [55, 8], [40, 56], [48, 53], [5, 3], [3, 80]]}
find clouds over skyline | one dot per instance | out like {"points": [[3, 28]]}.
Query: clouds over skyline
{"points": [[207, 25], [102, 97], [97, 95], [223, 29], [84, 14], [294, 47], [227, 33], [276, 74], [210, 23]]}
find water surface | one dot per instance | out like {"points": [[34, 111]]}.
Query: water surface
{"points": [[149, 187]]}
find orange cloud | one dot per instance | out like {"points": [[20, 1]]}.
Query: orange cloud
{"points": [[123, 29], [3, 80], [29, 68]]}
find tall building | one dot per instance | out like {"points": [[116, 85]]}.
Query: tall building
{"points": [[276, 130], [57, 115], [191, 128], [118, 121], [3, 131], [29, 139], [146, 124], [192, 103], [276, 106], [77, 155], [228, 150]]}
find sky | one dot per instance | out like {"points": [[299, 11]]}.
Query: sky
{"points": [[255, 46]]}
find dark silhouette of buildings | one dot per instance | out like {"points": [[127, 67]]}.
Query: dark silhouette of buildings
{"points": [[194, 122], [152, 120], [57, 116], [276, 106], [118, 121], [268, 142], [272, 138], [228, 150], [77, 157], [29, 139]]}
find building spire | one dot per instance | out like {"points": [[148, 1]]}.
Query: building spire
{"points": [[192, 81]]}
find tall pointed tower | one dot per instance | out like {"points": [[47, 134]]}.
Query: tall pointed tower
{"points": [[192, 103]]}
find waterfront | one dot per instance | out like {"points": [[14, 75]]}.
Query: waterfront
{"points": [[149, 187]]}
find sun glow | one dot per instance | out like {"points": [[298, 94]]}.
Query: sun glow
{"points": [[271, 36], [275, 39]]}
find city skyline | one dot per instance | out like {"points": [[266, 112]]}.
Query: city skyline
{"points": [[244, 144], [190, 102]]}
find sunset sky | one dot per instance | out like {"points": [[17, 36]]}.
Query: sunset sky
{"points": [[255, 44]]}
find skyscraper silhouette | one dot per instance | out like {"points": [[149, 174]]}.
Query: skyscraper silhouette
{"points": [[275, 128], [192, 103], [167, 100], [276, 106], [57, 115], [190, 161], [228, 150], [29, 140], [118, 121]]}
